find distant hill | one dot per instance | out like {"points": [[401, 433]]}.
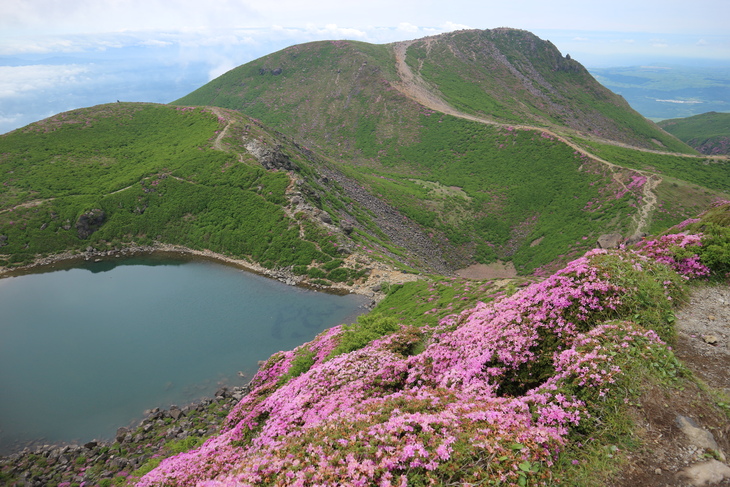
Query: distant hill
{"points": [[709, 133]]}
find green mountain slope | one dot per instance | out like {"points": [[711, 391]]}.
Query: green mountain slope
{"points": [[709, 133], [132, 174], [461, 133], [321, 92], [371, 153], [513, 76]]}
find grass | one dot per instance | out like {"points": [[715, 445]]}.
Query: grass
{"points": [[153, 172]]}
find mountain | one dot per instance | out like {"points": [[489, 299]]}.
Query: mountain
{"points": [[336, 163], [322, 92], [478, 136], [708, 133], [436, 154]]}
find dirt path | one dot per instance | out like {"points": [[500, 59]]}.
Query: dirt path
{"points": [[27, 204], [414, 87], [672, 454]]}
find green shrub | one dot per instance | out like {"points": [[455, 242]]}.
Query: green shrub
{"points": [[367, 328], [338, 275], [333, 264], [316, 273]]}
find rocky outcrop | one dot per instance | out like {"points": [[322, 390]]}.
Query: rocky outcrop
{"points": [[90, 222], [609, 241], [269, 157]]}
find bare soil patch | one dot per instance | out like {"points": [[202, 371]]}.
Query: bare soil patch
{"points": [[496, 270]]}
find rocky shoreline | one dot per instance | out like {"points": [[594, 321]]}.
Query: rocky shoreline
{"points": [[107, 462], [380, 272]]}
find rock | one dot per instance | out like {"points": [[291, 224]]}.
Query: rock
{"points": [[710, 339], [121, 434], [3, 240], [175, 413], [222, 392], [90, 222], [91, 445], [635, 239], [118, 463], [711, 472], [270, 158], [609, 241], [325, 217], [699, 437], [347, 227]]}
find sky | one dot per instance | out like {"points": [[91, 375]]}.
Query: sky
{"points": [[57, 55]]}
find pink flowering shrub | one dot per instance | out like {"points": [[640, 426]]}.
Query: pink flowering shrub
{"points": [[678, 251], [490, 398]]}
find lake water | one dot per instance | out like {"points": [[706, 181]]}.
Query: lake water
{"points": [[86, 350]]}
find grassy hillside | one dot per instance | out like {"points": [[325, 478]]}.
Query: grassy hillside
{"points": [[709, 133], [323, 93], [487, 192], [515, 77], [368, 158], [126, 174]]}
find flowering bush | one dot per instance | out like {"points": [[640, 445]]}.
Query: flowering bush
{"points": [[679, 251], [491, 397]]}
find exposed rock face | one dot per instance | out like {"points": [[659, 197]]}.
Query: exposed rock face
{"points": [[90, 222], [609, 241], [269, 157]]}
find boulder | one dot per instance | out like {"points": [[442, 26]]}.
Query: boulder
{"points": [[609, 241], [711, 472], [325, 217], [270, 157], [121, 434], [90, 222], [347, 227]]}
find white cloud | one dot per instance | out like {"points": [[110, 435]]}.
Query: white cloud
{"points": [[407, 27], [581, 39], [16, 80], [452, 26]]}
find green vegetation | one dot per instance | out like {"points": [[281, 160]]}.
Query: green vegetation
{"points": [[709, 133], [508, 65], [700, 171], [497, 211], [340, 97], [154, 174]]}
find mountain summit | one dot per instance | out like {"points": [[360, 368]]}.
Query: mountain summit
{"points": [[500, 75]]}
